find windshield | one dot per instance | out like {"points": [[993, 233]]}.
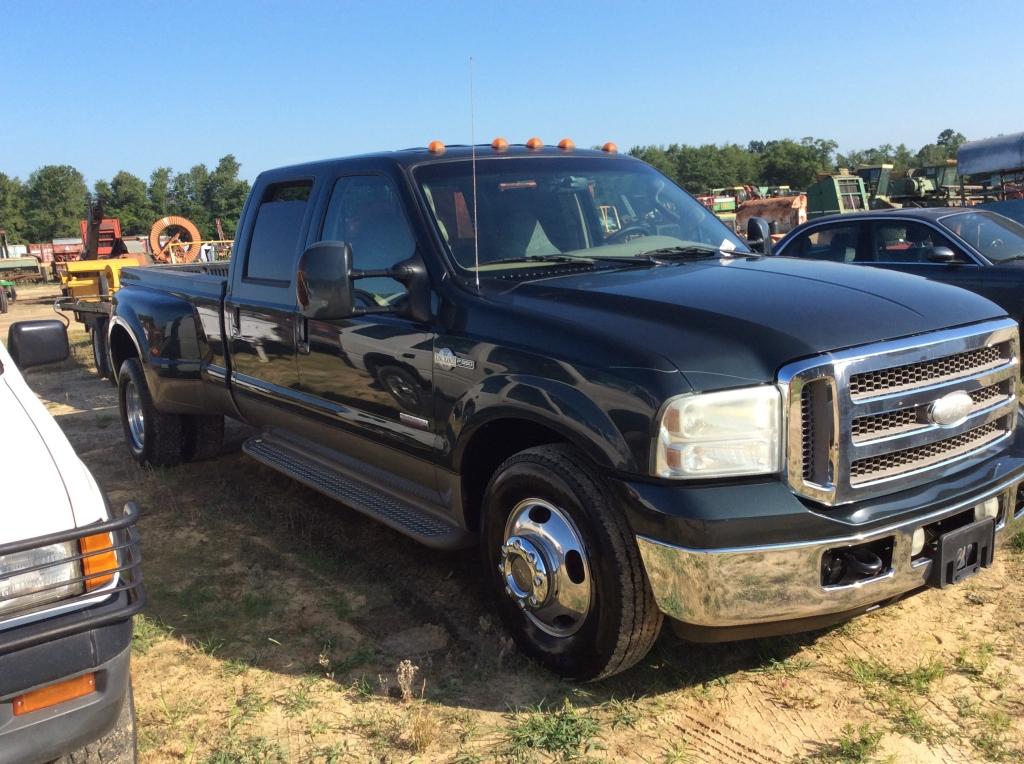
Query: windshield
{"points": [[999, 239], [537, 208]]}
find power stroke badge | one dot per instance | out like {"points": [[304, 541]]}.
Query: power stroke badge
{"points": [[447, 360]]}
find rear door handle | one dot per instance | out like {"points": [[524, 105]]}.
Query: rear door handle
{"points": [[236, 322]]}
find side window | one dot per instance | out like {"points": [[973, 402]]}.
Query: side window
{"points": [[275, 236], [837, 244], [905, 241], [365, 212]]}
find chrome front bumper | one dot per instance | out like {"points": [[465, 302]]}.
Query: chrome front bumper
{"points": [[745, 586]]}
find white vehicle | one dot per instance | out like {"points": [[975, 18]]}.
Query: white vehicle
{"points": [[69, 582]]}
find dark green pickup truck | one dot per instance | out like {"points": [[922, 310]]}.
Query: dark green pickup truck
{"points": [[562, 357]]}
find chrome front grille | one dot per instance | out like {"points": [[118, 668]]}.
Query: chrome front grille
{"points": [[860, 421]]}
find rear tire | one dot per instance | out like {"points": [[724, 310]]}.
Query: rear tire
{"points": [[3, 300], [119, 746], [204, 436], [553, 491], [154, 439], [100, 356]]}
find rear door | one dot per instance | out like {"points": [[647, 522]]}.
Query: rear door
{"points": [[260, 310]]}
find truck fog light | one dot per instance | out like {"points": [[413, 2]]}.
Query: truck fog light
{"points": [[917, 543], [988, 508]]}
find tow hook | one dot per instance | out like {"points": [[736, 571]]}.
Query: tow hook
{"points": [[848, 565]]}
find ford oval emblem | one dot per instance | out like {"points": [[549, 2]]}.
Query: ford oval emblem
{"points": [[951, 409]]}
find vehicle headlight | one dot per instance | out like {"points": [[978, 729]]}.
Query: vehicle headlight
{"points": [[53, 565], [731, 432]]}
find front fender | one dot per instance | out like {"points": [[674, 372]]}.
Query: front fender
{"points": [[555, 405]]}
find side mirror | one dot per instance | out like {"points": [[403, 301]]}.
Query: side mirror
{"points": [[324, 283], [36, 343], [412, 274], [759, 236], [941, 255]]}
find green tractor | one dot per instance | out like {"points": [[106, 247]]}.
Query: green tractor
{"points": [[839, 193], [8, 294]]}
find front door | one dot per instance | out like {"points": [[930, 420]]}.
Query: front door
{"points": [[904, 245], [369, 378]]}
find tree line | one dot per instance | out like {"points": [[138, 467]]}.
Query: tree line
{"points": [[52, 200], [782, 162], [49, 204]]}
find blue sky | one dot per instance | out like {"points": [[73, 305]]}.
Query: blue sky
{"points": [[107, 86]]}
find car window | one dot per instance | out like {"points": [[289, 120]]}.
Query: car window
{"points": [[998, 238], [834, 243], [274, 245], [365, 212], [906, 241]]}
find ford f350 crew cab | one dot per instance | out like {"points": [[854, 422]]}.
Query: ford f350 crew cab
{"points": [[69, 583], [563, 357]]}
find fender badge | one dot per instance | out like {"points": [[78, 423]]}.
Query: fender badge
{"points": [[447, 360]]}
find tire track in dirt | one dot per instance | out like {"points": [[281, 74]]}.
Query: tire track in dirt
{"points": [[714, 740]]}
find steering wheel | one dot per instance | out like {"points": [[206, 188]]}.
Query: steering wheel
{"points": [[633, 228], [366, 297]]}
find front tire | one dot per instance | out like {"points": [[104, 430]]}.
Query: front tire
{"points": [[564, 566], [154, 439], [119, 746]]}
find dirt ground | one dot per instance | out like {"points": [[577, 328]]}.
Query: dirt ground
{"points": [[279, 623]]}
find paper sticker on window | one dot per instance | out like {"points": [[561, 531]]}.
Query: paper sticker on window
{"points": [[727, 245]]}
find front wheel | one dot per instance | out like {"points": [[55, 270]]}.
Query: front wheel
{"points": [[564, 566], [154, 439]]}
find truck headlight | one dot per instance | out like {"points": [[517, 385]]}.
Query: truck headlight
{"points": [[47, 566], [731, 432]]}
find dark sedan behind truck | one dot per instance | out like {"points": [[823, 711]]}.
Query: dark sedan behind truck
{"points": [[975, 249]]}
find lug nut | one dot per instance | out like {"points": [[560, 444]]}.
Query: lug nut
{"points": [[537, 581], [533, 558], [508, 590], [522, 605], [517, 544]]}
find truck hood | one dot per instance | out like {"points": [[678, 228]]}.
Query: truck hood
{"points": [[732, 321], [47, 488]]}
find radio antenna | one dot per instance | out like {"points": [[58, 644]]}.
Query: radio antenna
{"points": [[472, 161]]}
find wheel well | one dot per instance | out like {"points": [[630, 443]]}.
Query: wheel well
{"points": [[487, 448], [121, 348]]}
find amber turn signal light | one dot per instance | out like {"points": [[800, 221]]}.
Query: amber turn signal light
{"points": [[566, 144], [535, 143], [98, 557], [499, 144], [435, 147], [610, 147], [61, 692]]}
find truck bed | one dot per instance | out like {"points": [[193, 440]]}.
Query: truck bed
{"points": [[190, 280]]}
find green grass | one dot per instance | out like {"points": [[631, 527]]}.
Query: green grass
{"points": [[258, 605], [146, 632], [854, 746], [1016, 542], [917, 679], [254, 750], [565, 733], [991, 739], [906, 719], [977, 665]]}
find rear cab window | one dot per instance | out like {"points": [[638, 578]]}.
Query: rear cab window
{"points": [[276, 233]]}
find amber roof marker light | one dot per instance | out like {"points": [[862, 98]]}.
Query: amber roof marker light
{"points": [[535, 143], [499, 144], [566, 144], [610, 147], [435, 147]]}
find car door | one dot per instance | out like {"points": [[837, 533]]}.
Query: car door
{"points": [[260, 309], [904, 244], [836, 242], [370, 377]]}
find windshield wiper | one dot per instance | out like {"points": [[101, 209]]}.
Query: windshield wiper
{"points": [[685, 253], [1008, 259]]}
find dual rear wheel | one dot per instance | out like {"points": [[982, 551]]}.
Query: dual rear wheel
{"points": [[156, 439]]}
